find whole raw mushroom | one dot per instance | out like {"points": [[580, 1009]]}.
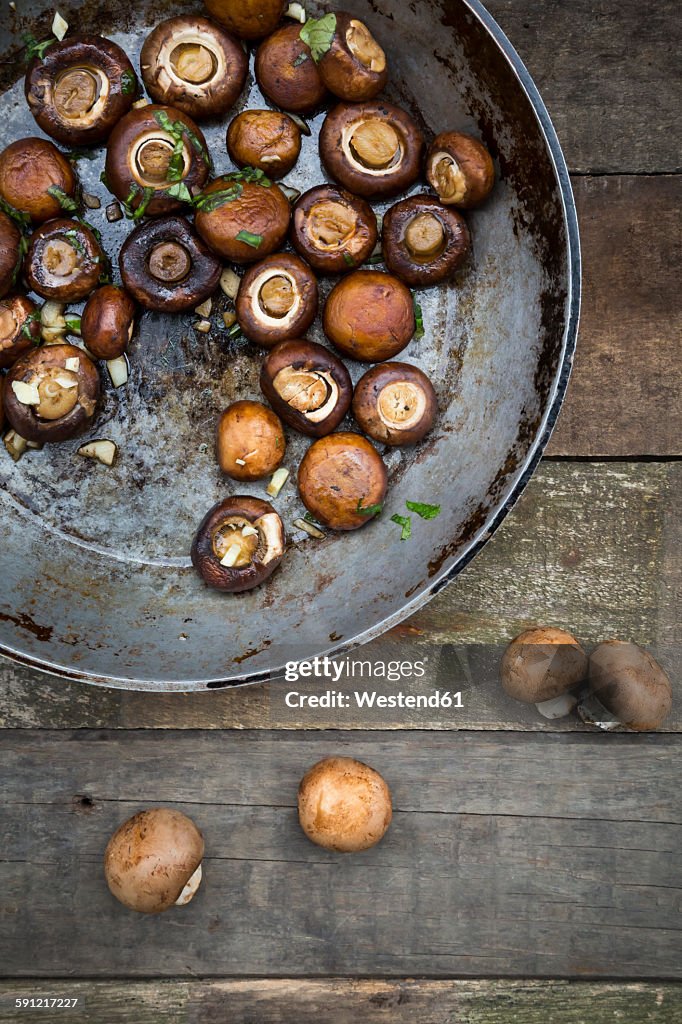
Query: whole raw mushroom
{"points": [[630, 684], [344, 805], [542, 666]]}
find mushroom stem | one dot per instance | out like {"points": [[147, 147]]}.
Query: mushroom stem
{"points": [[188, 893], [592, 712], [557, 707]]}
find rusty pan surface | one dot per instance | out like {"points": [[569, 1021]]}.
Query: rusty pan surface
{"points": [[95, 578]]}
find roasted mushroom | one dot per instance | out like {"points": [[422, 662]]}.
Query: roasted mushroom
{"points": [[369, 316], [307, 386], [542, 666], [395, 403], [287, 74], [266, 139], [277, 300], [372, 149], [36, 179], [243, 216], [248, 19], [333, 229], [51, 393], [64, 260], [351, 62], [239, 544], [344, 805], [630, 684], [166, 266], [342, 481], [191, 64], [80, 88], [107, 322], [424, 242], [460, 169], [10, 253], [19, 329], [156, 159], [250, 442], [153, 860]]}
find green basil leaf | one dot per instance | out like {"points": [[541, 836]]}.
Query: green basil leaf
{"points": [[406, 524], [318, 34], [301, 59], [369, 510], [255, 241], [180, 191], [34, 48], [348, 259], [128, 82], [74, 324], [21, 219], [419, 320], [423, 510], [66, 202]]}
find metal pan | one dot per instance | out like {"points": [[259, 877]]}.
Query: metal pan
{"points": [[94, 571]]}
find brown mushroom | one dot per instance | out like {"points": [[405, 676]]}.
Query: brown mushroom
{"points": [[372, 149], [248, 19], [353, 67], [239, 544], [64, 260], [107, 322], [307, 386], [334, 230], [166, 266], [156, 158], [51, 393], [10, 253], [287, 74], [34, 177], [277, 300], [243, 216], [153, 860], [191, 64], [265, 139], [630, 684], [460, 169], [80, 88], [542, 666], [250, 442], [369, 316], [395, 403], [344, 805], [19, 329], [424, 242], [342, 481]]}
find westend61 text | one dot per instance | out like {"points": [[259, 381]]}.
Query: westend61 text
{"points": [[444, 699]]}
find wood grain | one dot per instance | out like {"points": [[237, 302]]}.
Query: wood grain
{"points": [[509, 855], [609, 74], [347, 1001], [593, 548], [625, 395]]}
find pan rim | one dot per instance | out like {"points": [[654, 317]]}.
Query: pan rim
{"points": [[504, 504]]}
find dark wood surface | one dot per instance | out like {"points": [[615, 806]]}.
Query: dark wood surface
{"points": [[519, 847]]}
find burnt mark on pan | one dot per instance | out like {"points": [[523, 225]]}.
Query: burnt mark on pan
{"points": [[24, 621]]}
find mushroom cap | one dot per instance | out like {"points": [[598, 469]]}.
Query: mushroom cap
{"points": [[215, 92], [340, 476], [631, 684], [253, 434], [114, 93], [28, 168], [66, 283], [248, 19], [265, 556], [266, 139], [344, 805], [262, 210], [287, 73], [14, 342], [541, 664], [395, 403], [369, 316], [470, 170], [333, 229], [299, 369], [263, 324], [107, 322], [425, 218], [151, 857], [10, 253], [342, 68]]}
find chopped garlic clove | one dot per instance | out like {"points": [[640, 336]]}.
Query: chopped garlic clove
{"points": [[279, 478], [229, 282], [297, 12], [292, 194], [72, 364], [240, 462], [249, 531], [27, 394], [204, 309], [66, 382], [15, 444], [231, 555], [52, 315], [118, 371], [202, 326], [309, 528], [103, 451], [229, 318], [59, 26]]}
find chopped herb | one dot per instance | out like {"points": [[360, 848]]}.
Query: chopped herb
{"points": [[369, 510], [91, 227], [309, 518], [23, 249], [373, 260], [406, 524], [81, 154], [105, 181], [179, 191], [423, 510], [138, 211], [74, 324], [141, 208], [66, 202], [128, 82], [349, 259], [234, 331], [255, 241], [177, 131], [302, 57], [251, 175], [26, 326], [318, 34], [34, 48], [210, 201], [22, 219], [419, 320], [75, 241]]}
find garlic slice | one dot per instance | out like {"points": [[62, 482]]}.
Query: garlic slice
{"points": [[27, 394], [103, 451]]}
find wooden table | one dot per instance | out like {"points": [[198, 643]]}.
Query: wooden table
{"points": [[520, 849]]}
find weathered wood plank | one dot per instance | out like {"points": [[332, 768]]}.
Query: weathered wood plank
{"points": [[607, 75], [509, 855], [595, 548], [346, 1001], [625, 395]]}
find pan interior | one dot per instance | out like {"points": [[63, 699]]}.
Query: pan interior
{"points": [[96, 579]]}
